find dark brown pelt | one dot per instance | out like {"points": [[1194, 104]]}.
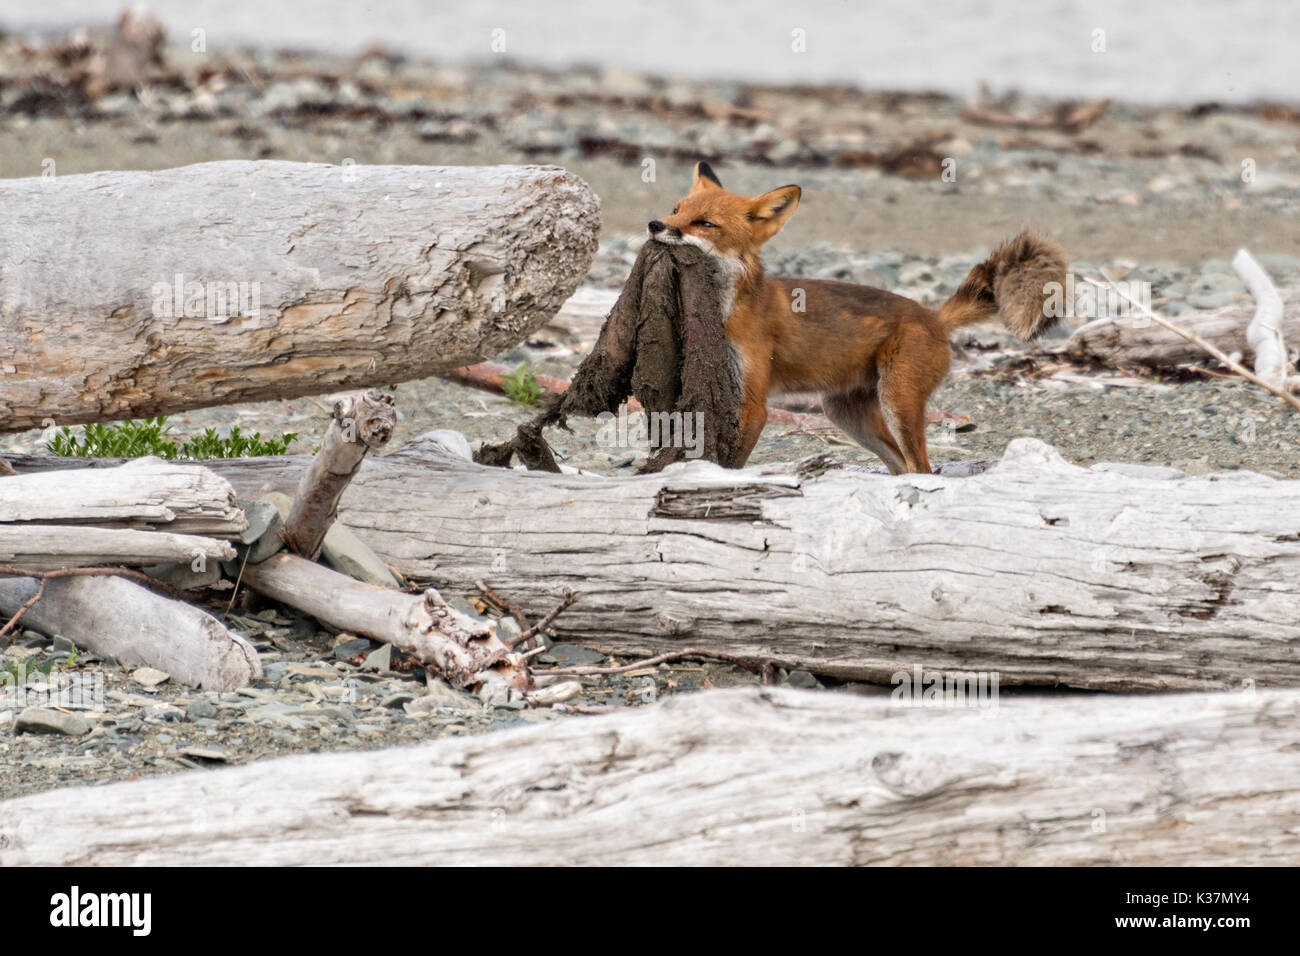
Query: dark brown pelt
{"points": [[663, 343]]}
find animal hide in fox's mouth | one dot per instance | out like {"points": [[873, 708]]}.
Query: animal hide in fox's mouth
{"points": [[664, 344]]}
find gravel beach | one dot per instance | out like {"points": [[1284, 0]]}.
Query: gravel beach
{"points": [[1148, 193]]}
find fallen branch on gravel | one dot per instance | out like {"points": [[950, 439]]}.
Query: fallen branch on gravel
{"points": [[1264, 334], [466, 653], [690, 653], [766, 776], [1066, 116], [1200, 343]]}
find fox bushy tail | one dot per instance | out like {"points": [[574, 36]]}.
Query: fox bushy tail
{"points": [[1014, 283]]}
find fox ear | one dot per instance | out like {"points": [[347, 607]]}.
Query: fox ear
{"points": [[705, 177], [772, 210]]}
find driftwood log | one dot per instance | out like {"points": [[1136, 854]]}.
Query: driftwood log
{"points": [[466, 653], [143, 512], [1117, 577], [1136, 340], [118, 618], [361, 422], [45, 547], [771, 776], [246, 281], [180, 497]]}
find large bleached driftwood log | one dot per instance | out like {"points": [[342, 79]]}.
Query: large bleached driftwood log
{"points": [[179, 497], [242, 281], [115, 617], [769, 776], [1115, 577]]}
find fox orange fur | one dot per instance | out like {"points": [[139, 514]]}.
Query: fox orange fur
{"points": [[873, 355]]}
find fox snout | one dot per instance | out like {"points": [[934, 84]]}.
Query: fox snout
{"points": [[661, 230]]}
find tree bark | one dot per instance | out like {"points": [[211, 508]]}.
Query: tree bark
{"points": [[1118, 577], [361, 422], [118, 618], [734, 778], [351, 276]]}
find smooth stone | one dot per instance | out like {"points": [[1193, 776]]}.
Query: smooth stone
{"points": [[350, 649], [343, 551], [380, 659], [150, 676], [802, 679], [570, 654], [205, 753], [200, 708], [261, 515], [399, 699], [38, 720]]}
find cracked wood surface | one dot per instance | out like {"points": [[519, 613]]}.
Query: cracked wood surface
{"points": [[1110, 578], [364, 275], [739, 777], [143, 493]]}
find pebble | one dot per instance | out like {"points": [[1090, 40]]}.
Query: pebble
{"points": [[39, 720], [150, 677], [350, 649], [201, 707], [380, 659], [571, 655]]}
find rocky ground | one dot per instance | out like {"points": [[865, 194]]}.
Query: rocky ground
{"points": [[1150, 194]]}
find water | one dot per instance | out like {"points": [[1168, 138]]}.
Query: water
{"points": [[1177, 52]]}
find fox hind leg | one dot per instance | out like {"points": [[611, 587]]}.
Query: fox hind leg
{"points": [[859, 414]]}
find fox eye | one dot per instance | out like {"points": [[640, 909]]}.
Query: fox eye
{"points": [[674, 210], [705, 223]]}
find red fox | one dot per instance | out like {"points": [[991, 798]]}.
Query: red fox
{"points": [[873, 355]]}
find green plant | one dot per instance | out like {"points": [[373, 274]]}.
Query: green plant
{"points": [[521, 386], [131, 439]]}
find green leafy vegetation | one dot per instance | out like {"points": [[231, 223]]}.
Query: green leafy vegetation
{"points": [[521, 386], [152, 436]]}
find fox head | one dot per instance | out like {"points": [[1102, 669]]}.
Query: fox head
{"points": [[722, 223]]}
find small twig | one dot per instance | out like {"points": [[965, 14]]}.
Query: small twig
{"points": [[27, 606], [569, 597], [44, 576], [1204, 345], [588, 671], [238, 578], [503, 604]]}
